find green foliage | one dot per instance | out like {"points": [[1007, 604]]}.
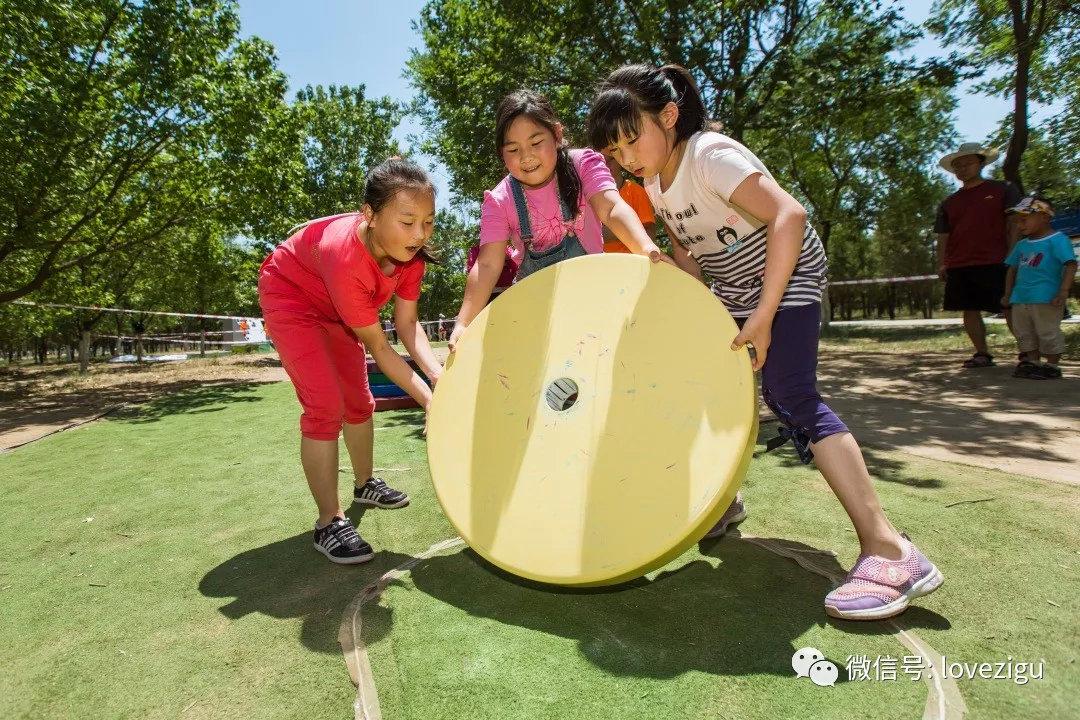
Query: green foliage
{"points": [[1022, 49], [824, 91], [444, 284], [141, 138], [122, 122], [1050, 166], [743, 55]]}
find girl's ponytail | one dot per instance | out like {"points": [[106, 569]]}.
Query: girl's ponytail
{"points": [[569, 179], [692, 114]]}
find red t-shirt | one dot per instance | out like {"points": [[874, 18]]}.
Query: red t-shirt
{"points": [[326, 268], [974, 218]]}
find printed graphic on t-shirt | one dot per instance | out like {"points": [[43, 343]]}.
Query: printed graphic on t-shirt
{"points": [[725, 235], [1032, 261]]}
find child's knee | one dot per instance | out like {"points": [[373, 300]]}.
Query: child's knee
{"points": [[322, 420]]}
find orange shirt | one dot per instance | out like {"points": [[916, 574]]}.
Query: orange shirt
{"points": [[635, 197]]}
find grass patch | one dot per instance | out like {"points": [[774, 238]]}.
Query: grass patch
{"points": [[950, 339], [159, 565]]}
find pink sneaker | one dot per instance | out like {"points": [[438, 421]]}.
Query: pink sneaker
{"points": [[877, 588], [735, 513]]}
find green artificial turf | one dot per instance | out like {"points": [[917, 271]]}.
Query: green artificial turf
{"points": [[159, 564]]}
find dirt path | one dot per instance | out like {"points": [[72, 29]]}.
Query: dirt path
{"points": [[920, 404], [38, 401], [927, 406]]}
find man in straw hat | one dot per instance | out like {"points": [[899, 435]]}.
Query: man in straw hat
{"points": [[974, 237]]}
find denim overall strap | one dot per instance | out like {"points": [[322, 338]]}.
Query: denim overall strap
{"points": [[524, 225]]}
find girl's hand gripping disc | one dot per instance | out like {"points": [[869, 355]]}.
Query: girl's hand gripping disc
{"points": [[594, 422]]}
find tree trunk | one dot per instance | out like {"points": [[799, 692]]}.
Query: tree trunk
{"points": [[84, 351], [1019, 140]]}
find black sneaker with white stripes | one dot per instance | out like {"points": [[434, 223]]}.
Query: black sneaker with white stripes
{"points": [[340, 542], [376, 493]]}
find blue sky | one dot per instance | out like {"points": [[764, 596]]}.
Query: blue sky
{"points": [[367, 42]]}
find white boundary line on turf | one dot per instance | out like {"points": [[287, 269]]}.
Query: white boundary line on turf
{"points": [[943, 698], [366, 705]]}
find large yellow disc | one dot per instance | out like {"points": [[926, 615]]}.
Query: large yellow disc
{"points": [[594, 422]]}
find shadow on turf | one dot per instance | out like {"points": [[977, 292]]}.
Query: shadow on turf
{"points": [[289, 579], [740, 617], [204, 398]]}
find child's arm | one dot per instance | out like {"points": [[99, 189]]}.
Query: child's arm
{"points": [[415, 340], [478, 286], [616, 214], [1010, 282], [686, 262], [786, 219], [1068, 275], [392, 364]]}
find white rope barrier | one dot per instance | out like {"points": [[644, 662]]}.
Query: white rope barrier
{"points": [[883, 281], [128, 311]]}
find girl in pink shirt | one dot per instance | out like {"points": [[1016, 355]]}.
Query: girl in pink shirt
{"points": [[548, 208], [320, 292]]}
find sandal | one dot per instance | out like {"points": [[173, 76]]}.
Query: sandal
{"points": [[979, 360], [1049, 372], [1028, 370]]}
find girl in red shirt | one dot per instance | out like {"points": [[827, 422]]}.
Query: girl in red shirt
{"points": [[320, 292]]}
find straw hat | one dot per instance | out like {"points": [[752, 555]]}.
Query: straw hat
{"points": [[969, 148]]}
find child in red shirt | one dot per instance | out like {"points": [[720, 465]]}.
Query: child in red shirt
{"points": [[320, 292]]}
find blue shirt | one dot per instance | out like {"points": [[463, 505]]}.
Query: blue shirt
{"points": [[1039, 264]]}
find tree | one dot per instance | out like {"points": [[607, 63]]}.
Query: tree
{"points": [[1019, 40], [744, 54], [118, 117], [324, 146], [1049, 164], [843, 151]]}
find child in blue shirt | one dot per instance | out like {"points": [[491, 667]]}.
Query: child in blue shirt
{"points": [[1042, 267]]}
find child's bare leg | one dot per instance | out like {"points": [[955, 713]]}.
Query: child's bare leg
{"points": [[840, 460], [360, 442], [320, 461], [1053, 359]]}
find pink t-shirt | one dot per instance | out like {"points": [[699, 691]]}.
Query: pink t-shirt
{"points": [[499, 222], [324, 267]]}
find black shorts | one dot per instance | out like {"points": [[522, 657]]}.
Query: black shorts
{"points": [[977, 287]]}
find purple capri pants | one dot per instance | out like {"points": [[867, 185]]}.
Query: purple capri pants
{"points": [[789, 380]]}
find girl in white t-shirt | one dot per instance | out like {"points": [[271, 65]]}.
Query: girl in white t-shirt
{"points": [[735, 228]]}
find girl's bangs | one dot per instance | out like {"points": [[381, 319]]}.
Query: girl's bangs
{"points": [[614, 114]]}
